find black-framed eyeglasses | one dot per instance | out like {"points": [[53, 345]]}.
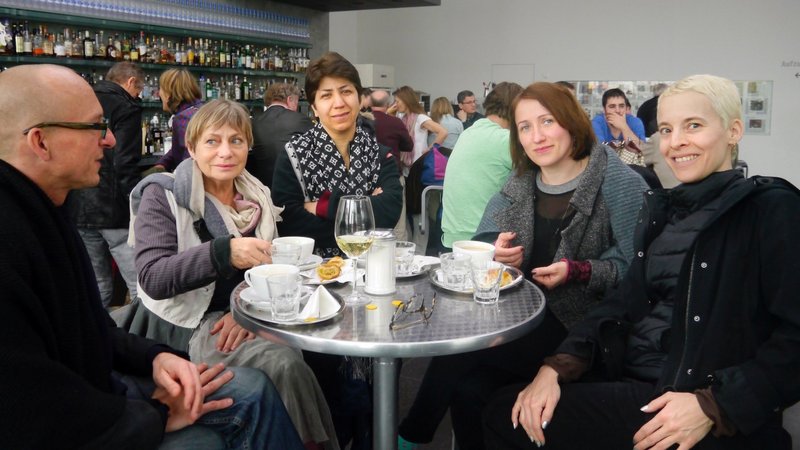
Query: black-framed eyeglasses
{"points": [[405, 312], [101, 126]]}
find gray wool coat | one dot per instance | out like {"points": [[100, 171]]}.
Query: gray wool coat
{"points": [[606, 203]]}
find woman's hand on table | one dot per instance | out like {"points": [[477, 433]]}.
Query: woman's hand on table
{"points": [[248, 252], [210, 380], [230, 334], [535, 404], [551, 276], [505, 253], [678, 420]]}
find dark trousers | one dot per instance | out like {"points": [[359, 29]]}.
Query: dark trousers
{"points": [[464, 383], [595, 416], [349, 399]]}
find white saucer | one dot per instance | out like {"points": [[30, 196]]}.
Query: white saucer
{"points": [[310, 263], [252, 298]]}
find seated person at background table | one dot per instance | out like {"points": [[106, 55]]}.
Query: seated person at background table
{"points": [[442, 113], [478, 167], [338, 156], [69, 378], [467, 108], [273, 128], [565, 218], [699, 345], [196, 233], [180, 96], [614, 124]]}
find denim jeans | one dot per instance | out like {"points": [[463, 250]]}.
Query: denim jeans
{"points": [[102, 244], [256, 420]]}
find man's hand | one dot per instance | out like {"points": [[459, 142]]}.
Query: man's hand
{"points": [[178, 378], [505, 253], [462, 116], [247, 252], [209, 382], [231, 334], [551, 276], [536, 403], [680, 420]]}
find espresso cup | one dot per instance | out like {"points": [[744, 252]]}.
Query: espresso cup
{"points": [[257, 277], [479, 251], [306, 245]]}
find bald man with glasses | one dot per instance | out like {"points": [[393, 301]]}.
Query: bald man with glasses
{"points": [[62, 358]]}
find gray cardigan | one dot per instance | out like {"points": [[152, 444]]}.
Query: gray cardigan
{"points": [[606, 202]]}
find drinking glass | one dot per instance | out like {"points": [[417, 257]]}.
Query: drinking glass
{"points": [[284, 290], [353, 232], [455, 268], [486, 276], [404, 256], [285, 253]]}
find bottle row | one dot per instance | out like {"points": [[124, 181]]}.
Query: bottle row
{"points": [[200, 14], [21, 39]]}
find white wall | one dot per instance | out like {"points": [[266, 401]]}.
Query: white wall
{"points": [[444, 49]]}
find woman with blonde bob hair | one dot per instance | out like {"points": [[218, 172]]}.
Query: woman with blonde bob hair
{"points": [[180, 96], [442, 113], [196, 231], [699, 345]]}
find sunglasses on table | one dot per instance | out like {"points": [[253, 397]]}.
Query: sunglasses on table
{"points": [[102, 126]]}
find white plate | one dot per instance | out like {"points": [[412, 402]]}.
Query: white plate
{"points": [[420, 265], [312, 262], [346, 276], [437, 278], [266, 316]]}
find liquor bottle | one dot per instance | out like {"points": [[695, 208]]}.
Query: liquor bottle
{"points": [[188, 56], [59, 47], [118, 47], [222, 54], [126, 49], [201, 57], [49, 44], [245, 89], [77, 45], [88, 45], [19, 40], [38, 43], [67, 43], [100, 45], [11, 30], [228, 56], [209, 89], [197, 49], [111, 50], [144, 56], [237, 88], [155, 51], [27, 42]]}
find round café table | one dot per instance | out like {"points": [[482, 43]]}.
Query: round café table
{"points": [[457, 325]]}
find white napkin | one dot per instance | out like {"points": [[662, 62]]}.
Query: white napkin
{"points": [[320, 304]]}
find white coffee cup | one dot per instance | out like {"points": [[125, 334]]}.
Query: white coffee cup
{"points": [[257, 276], [479, 251], [306, 245]]}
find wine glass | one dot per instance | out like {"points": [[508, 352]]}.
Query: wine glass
{"points": [[353, 232]]}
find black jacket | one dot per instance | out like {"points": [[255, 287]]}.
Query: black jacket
{"points": [[736, 322], [58, 346], [272, 129], [106, 205]]}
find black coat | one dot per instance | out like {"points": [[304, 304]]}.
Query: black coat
{"points": [[58, 346], [272, 129], [736, 322], [106, 205]]}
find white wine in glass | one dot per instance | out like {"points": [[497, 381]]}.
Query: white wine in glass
{"points": [[353, 231]]}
